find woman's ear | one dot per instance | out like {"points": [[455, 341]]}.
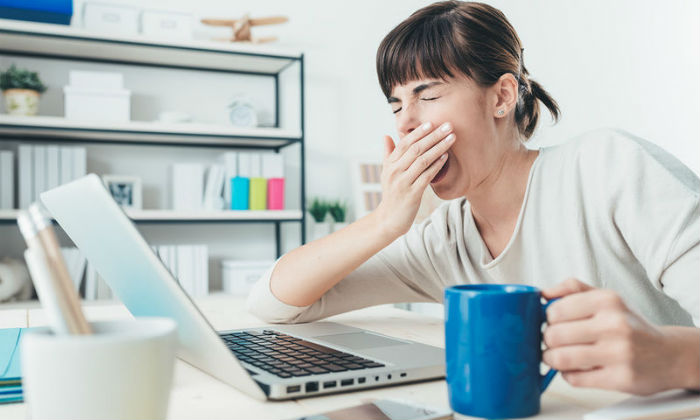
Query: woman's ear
{"points": [[506, 95]]}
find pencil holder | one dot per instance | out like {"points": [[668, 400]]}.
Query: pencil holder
{"points": [[122, 371]]}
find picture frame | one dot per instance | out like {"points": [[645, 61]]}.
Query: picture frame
{"points": [[367, 191], [125, 189]]}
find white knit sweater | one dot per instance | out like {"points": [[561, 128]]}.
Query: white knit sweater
{"points": [[610, 209]]}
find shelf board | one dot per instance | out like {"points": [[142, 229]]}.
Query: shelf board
{"points": [[177, 216], [143, 132], [69, 42]]}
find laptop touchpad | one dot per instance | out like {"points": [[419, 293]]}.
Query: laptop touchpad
{"points": [[359, 340]]}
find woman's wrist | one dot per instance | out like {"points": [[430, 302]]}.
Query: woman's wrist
{"points": [[684, 352], [383, 225]]}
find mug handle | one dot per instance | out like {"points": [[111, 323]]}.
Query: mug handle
{"points": [[546, 379]]}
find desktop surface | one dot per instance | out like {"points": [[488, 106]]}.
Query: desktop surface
{"points": [[196, 395]]}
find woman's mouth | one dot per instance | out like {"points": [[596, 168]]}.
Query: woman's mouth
{"points": [[442, 172]]}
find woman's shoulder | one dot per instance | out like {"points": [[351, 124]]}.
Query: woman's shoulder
{"points": [[610, 155], [445, 223]]}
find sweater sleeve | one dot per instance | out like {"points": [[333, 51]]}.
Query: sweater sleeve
{"points": [[408, 270], [656, 207]]}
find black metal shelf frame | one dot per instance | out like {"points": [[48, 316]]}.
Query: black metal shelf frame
{"points": [[5, 49]]}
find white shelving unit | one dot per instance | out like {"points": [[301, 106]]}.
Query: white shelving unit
{"points": [[40, 39], [69, 45], [58, 129], [155, 216]]}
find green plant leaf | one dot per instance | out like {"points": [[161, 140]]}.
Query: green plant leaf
{"points": [[338, 211], [15, 78], [318, 209]]}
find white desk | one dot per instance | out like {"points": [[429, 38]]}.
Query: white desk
{"points": [[196, 395]]}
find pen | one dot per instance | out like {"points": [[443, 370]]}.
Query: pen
{"points": [[57, 267], [56, 308]]}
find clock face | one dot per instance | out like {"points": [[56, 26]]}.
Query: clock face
{"points": [[243, 116]]}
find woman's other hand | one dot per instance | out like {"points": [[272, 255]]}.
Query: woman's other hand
{"points": [[596, 341], [407, 170]]}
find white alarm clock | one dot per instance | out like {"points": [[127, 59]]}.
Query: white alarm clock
{"points": [[242, 113]]}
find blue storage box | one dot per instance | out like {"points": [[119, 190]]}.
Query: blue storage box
{"points": [[46, 11]]}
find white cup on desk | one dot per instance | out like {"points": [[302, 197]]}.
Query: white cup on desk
{"points": [[122, 371]]}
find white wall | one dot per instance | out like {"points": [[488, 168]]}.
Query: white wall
{"points": [[630, 64]]}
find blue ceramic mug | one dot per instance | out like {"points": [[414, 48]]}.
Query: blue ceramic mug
{"points": [[493, 347]]}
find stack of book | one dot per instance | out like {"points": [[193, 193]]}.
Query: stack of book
{"points": [[85, 276], [10, 376], [243, 181], [41, 168], [7, 179], [189, 264]]}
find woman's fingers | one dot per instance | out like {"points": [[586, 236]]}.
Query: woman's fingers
{"points": [[388, 146], [603, 378], [422, 146], [409, 140], [583, 305], [424, 178], [424, 161], [570, 333], [578, 357], [567, 287]]}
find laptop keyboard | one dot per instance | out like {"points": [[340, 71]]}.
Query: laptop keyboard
{"points": [[287, 356]]}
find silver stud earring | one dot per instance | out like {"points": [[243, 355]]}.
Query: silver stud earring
{"points": [[500, 112]]}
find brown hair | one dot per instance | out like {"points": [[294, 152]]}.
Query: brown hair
{"points": [[471, 38]]}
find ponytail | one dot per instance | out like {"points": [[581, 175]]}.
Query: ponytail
{"points": [[527, 111]]}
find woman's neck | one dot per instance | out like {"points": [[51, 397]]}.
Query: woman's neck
{"points": [[497, 200]]}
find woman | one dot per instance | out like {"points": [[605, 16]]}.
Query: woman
{"points": [[608, 222]]}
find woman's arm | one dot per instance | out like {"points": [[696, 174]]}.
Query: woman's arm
{"points": [[302, 276]]}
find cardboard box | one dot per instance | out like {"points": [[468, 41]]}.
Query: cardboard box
{"points": [[111, 18], [238, 277], [97, 105], [164, 24]]}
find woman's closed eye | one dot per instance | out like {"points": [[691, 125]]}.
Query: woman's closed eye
{"points": [[422, 99]]}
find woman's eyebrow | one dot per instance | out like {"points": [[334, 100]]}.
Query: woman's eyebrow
{"points": [[416, 90]]}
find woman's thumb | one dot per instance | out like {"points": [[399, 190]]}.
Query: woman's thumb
{"points": [[388, 146]]}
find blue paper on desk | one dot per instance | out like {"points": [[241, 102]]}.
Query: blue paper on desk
{"points": [[10, 374]]}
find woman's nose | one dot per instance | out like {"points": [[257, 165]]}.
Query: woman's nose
{"points": [[407, 122]]}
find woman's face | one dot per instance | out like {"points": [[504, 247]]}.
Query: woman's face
{"points": [[469, 108]]}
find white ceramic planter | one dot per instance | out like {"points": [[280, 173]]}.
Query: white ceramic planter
{"points": [[319, 229], [339, 225], [21, 101]]}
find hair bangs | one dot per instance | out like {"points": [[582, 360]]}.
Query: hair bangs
{"points": [[416, 49]]}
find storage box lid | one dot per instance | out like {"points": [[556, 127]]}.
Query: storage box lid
{"points": [[95, 79], [235, 264], [101, 92]]}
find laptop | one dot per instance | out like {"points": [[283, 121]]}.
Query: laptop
{"points": [[278, 362]]}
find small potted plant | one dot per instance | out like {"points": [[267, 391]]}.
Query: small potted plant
{"points": [[318, 209], [338, 211], [21, 89]]}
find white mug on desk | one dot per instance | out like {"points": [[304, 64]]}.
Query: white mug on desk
{"points": [[124, 370]]}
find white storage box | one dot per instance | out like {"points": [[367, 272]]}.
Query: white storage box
{"points": [[164, 24], [97, 105], [238, 277], [111, 18], [98, 80]]}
